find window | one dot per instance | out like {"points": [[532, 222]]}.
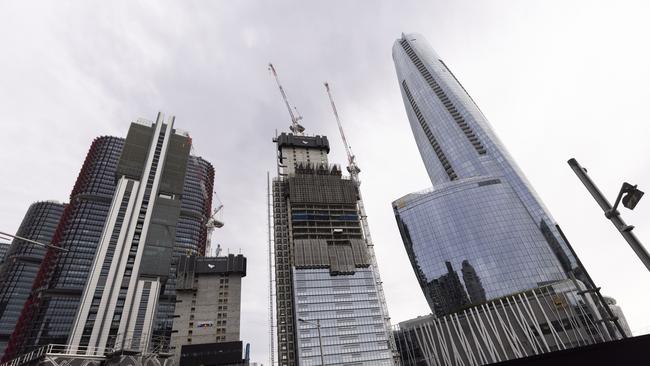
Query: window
{"points": [[440, 93], [427, 131]]}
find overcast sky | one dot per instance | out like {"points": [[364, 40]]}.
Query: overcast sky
{"points": [[556, 79]]}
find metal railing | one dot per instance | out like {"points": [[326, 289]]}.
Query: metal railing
{"points": [[61, 350]]}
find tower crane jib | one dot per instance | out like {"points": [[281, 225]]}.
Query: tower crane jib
{"points": [[295, 117]]}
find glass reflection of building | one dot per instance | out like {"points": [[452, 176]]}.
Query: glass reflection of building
{"points": [[480, 232]]}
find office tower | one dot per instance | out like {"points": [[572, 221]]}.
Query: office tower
{"points": [[134, 254], [481, 232], [50, 309], [191, 239], [22, 261], [4, 247], [208, 302], [48, 315], [326, 293]]}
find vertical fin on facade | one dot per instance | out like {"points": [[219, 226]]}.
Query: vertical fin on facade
{"points": [[427, 131], [444, 99]]}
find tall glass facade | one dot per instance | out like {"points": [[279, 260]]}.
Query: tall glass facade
{"points": [[50, 310], [350, 317], [23, 259], [49, 313], [4, 247], [480, 232]]}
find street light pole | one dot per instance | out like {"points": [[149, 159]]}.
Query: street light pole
{"points": [[320, 339], [612, 214]]}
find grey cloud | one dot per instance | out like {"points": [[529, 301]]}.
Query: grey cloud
{"points": [[544, 78]]}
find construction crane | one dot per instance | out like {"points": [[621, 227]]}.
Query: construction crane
{"points": [[295, 117], [354, 171], [213, 223]]}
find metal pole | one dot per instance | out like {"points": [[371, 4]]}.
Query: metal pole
{"points": [[614, 217], [33, 242], [320, 343], [592, 285], [320, 339]]}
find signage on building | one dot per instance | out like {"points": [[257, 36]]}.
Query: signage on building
{"points": [[205, 324]]}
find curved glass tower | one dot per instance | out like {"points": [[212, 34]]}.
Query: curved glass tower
{"points": [[48, 312], [481, 232], [23, 259]]}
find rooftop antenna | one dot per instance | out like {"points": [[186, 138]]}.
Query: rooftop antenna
{"points": [[354, 170], [295, 117]]}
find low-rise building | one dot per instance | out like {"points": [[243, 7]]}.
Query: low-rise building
{"points": [[208, 301]]}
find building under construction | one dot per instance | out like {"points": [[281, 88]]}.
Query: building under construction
{"points": [[324, 281], [329, 299]]}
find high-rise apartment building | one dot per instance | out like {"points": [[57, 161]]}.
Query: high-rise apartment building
{"points": [[49, 313], [326, 294], [134, 255], [22, 261], [481, 232], [208, 302]]}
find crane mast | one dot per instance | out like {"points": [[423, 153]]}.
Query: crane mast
{"points": [[295, 126], [354, 171]]}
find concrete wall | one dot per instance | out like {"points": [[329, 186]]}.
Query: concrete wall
{"points": [[209, 313]]}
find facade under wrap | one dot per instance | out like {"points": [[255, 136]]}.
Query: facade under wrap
{"points": [[324, 277], [481, 232], [23, 259]]}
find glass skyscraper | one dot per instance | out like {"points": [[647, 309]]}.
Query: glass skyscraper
{"points": [[4, 247], [50, 309], [49, 312], [480, 232], [23, 259]]}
